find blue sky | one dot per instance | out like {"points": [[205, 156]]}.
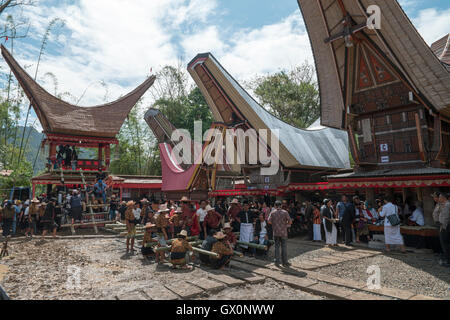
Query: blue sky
{"points": [[117, 42]]}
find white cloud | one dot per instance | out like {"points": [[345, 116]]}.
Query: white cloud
{"points": [[432, 24], [119, 41], [247, 53]]}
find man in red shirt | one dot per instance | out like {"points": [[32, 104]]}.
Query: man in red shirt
{"points": [[212, 220], [229, 235], [280, 221], [232, 213]]}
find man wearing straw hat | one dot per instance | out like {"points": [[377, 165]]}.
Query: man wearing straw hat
{"points": [[211, 221], [229, 235], [131, 225], [180, 247], [161, 222], [187, 214], [223, 249]]}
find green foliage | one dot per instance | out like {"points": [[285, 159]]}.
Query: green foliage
{"points": [[291, 96], [181, 103]]}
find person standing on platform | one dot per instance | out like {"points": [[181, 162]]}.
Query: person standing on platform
{"points": [[113, 208], [76, 207], [280, 221], [74, 161], [392, 234]]}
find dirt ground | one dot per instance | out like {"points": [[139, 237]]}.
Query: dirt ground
{"points": [[41, 271], [36, 270]]}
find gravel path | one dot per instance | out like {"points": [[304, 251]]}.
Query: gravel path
{"points": [[269, 290], [417, 273]]}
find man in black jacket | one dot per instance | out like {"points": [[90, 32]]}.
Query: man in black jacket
{"points": [[309, 219], [347, 220]]}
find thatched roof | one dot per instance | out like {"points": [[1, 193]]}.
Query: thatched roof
{"points": [[324, 148], [57, 116], [397, 39]]}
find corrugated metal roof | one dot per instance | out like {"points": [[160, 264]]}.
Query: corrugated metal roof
{"points": [[317, 148], [392, 173], [325, 148]]}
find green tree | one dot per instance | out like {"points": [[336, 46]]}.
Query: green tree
{"points": [[291, 96]]}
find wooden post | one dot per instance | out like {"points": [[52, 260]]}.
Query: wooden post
{"points": [[34, 191], [100, 155], [107, 155], [370, 196], [428, 204]]}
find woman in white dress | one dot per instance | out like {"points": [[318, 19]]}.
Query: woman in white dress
{"points": [[392, 234], [329, 220]]}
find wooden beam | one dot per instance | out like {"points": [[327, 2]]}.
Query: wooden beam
{"points": [[420, 138]]}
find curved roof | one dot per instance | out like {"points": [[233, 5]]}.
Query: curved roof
{"points": [[397, 39], [58, 116], [324, 148]]}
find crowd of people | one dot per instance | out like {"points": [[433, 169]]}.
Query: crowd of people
{"points": [[65, 157], [220, 225], [48, 212]]}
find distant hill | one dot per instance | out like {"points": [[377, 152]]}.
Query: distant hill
{"points": [[34, 143], [33, 146]]}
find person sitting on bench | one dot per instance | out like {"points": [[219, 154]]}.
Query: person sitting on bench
{"points": [[417, 219]]}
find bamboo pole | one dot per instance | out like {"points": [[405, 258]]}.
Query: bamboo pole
{"points": [[253, 245]]}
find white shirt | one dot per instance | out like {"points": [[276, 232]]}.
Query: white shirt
{"points": [[27, 209], [417, 217], [137, 213], [374, 213], [201, 213], [388, 209], [263, 227]]}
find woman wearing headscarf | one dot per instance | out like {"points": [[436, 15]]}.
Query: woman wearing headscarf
{"points": [[329, 221]]}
